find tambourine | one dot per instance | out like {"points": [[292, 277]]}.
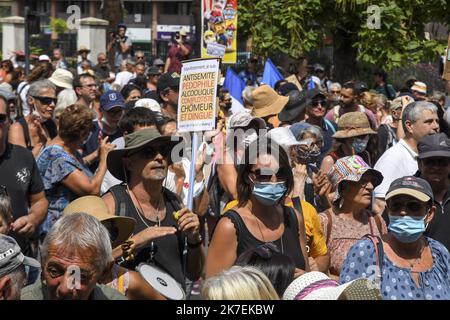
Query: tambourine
{"points": [[161, 281]]}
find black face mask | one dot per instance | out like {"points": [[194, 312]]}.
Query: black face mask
{"points": [[228, 106]]}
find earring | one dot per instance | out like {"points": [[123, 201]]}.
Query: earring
{"points": [[341, 203]]}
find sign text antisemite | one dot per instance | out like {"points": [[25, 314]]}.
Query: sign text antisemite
{"points": [[197, 99]]}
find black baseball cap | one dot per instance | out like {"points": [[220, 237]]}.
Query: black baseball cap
{"points": [[284, 89], [435, 145], [168, 81], [413, 186], [314, 94], [153, 71]]}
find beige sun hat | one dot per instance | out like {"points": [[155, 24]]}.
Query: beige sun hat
{"points": [[318, 286], [353, 124], [267, 101], [97, 208], [62, 78]]}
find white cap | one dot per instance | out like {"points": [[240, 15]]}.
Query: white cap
{"points": [[44, 57], [151, 104]]}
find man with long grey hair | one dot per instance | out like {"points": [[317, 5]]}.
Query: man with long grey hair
{"points": [[419, 119], [75, 255]]}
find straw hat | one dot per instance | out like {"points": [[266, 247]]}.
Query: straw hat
{"points": [[353, 124], [267, 102], [95, 206], [419, 87], [83, 48], [318, 286]]}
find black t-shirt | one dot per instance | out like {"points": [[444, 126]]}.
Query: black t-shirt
{"points": [[20, 175], [387, 136], [169, 249]]}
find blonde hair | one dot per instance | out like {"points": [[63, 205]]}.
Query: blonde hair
{"points": [[239, 283]]}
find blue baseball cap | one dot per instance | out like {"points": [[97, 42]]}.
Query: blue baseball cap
{"points": [[111, 99]]}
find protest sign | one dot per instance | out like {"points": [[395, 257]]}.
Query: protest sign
{"points": [[197, 98], [215, 50], [219, 26]]}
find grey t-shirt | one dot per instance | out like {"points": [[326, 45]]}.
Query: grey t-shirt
{"points": [[38, 291], [118, 55]]}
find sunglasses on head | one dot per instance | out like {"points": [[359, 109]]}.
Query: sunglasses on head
{"points": [[316, 103], [265, 174], [3, 117], [46, 100], [411, 206]]}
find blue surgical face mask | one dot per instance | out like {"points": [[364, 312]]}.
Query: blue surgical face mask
{"points": [[406, 229], [269, 193], [359, 145]]}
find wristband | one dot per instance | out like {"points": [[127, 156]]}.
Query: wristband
{"points": [[195, 244]]}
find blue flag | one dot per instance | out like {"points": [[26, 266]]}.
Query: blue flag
{"points": [[235, 86], [271, 74]]}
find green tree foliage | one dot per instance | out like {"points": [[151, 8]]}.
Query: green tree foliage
{"points": [[295, 27], [57, 25]]}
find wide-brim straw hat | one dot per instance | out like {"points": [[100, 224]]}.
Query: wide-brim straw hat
{"points": [[353, 124], [133, 142], [318, 286], [267, 102], [83, 49], [97, 208]]}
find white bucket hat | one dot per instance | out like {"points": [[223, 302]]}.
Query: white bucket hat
{"points": [[151, 104], [62, 78], [318, 286]]}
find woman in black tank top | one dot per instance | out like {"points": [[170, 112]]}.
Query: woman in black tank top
{"points": [[263, 183]]}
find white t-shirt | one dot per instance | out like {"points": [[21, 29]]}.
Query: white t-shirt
{"points": [[23, 90], [398, 161], [109, 180]]}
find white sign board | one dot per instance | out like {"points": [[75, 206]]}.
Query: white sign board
{"points": [[197, 98], [215, 50]]}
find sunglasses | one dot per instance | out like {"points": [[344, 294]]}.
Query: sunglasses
{"points": [[335, 92], [411, 206], [91, 86], [316, 103], [46, 100], [440, 162], [114, 111], [139, 57], [151, 151], [3, 117], [265, 174]]}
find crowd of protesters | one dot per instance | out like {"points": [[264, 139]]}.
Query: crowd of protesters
{"points": [[312, 190]]}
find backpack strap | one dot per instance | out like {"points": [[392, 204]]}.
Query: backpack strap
{"points": [[379, 251], [378, 223], [329, 224], [330, 126], [120, 198], [23, 122]]}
